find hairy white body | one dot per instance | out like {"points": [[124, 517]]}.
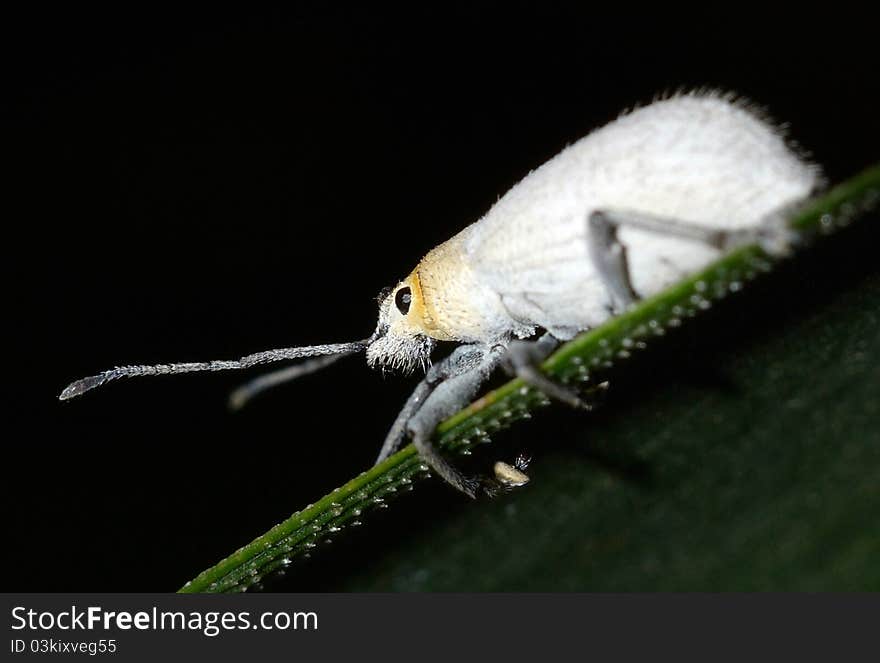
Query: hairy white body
{"points": [[621, 214], [698, 158]]}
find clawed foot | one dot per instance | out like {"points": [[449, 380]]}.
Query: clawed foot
{"points": [[507, 478]]}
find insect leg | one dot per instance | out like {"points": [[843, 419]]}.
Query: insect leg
{"points": [[448, 397], [610, 256], [463, 358], [397, 434], [524, 359]]}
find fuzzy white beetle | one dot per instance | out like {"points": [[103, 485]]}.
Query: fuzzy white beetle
{"points": [[621, 214]]}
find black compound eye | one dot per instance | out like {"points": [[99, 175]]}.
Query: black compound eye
{"points": [[402, 300]]}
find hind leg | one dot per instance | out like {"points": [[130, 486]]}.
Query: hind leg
{"points": [[609, 255]]}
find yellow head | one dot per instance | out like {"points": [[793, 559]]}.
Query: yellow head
{"points": [[403, 338], [441, 300]]}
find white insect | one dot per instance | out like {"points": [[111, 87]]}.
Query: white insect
{"points": [[621, 214]]}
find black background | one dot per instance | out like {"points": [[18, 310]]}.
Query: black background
{"points": [[205, 185]]}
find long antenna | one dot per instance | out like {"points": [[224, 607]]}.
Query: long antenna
{"points": [[80, 387]]}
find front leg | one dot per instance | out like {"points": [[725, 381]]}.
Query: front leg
{"points": [[462, 359], [465, 375]]}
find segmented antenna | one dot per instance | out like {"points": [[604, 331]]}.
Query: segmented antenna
{"points": [[80, 387]]}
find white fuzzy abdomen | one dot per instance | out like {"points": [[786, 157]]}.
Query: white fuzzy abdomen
{"points": [[698, 158]]}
